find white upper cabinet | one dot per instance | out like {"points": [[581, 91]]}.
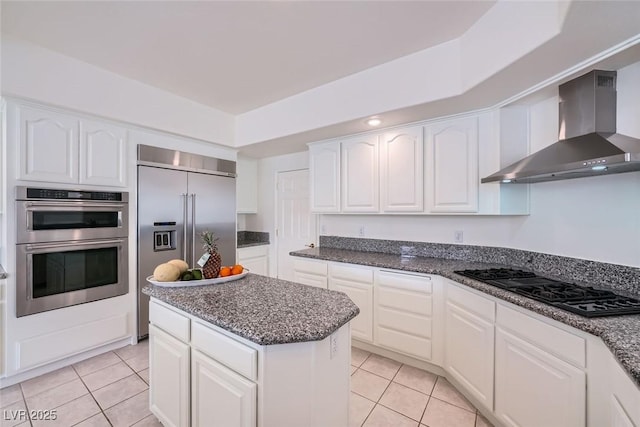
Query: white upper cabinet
{"points": [[61, 148], [48, 146], [102, 154], [401, 170], [324, 165], [247, 185], [452, 166], [359, 158]]}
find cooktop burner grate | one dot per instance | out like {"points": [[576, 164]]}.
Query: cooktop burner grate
{"points": [[583, 300]]}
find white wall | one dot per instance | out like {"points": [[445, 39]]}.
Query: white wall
{"points": [[265, 220], [591, 218], [36, 73]]}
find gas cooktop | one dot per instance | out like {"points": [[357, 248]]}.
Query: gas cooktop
{"points": [[582, 300]]}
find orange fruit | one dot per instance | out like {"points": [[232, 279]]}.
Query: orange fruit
{"points": [[225, 271], [237, 269]]}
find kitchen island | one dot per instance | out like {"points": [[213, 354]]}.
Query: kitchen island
{"points": [[256, 351]]}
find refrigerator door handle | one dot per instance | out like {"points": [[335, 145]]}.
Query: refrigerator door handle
{"points": [[184, 226], [193, 229]]}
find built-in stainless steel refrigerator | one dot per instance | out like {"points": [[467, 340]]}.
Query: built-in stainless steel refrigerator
{"points": [[179, 196]]}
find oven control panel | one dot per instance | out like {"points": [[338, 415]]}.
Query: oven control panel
{"points": [[31, 193]]}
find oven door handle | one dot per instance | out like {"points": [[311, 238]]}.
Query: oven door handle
{"points": [[35, 247], [108, 206]]}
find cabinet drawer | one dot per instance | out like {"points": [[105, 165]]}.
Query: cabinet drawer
{"points": [[170, 321], [354, 274], [310, 279], [470, 301], [229, 352], [411, 282], [308, 266], [404, 300], [253, 252], [404, 322], [569, 347], [405, 343]]}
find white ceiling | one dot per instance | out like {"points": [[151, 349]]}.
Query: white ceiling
{"points": [[238, 55]]}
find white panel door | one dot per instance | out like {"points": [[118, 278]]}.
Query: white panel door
{"points": [[296, 224], [220, 397], [324, 166], [359, 177], [103, 158], [362, 296], [169, 376], [469, 341], [402, 171], [48, 146], [452, 166], [534, 388]]}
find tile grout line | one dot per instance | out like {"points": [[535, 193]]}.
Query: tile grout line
{"points": [[24, 400], [94, 399]]}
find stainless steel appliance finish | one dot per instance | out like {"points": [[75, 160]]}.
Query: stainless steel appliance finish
{"points": [[72, 247], [588, 143], [175, 204], [101, 272], [54, 215]]}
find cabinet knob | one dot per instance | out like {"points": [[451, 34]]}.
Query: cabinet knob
{"points": [[312, 245]]}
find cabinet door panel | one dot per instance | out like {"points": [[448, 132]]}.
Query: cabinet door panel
{"points": [[220, 397], [169, 376], [534, 388], [102, 154], [48, 146], [452, 166], [359, 157], [362, 296], [324, 168], [259, 265], [401, 171], [469, 351]]}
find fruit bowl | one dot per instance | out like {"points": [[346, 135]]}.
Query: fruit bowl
{"points": [[201, 282]]}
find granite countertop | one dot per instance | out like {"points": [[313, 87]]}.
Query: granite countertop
{"points": [[619, 333], [247, 239], [262, 309]]}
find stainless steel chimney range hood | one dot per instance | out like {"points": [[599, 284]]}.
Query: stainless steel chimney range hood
{"points": [[588, 143]]}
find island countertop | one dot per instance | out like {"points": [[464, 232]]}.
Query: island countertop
{"points": [[263, 310]]}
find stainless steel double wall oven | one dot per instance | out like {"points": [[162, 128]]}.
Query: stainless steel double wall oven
{"points": [[72, 247]]}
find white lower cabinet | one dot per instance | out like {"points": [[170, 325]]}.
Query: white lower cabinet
{"points": [[254, 258], [403, 313], [357, 283], [169, 374], [469, 342], [535, 388], [219, 396], [310, 272]]}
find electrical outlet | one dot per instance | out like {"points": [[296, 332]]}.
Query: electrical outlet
{"points": [[458, 236], [361, 231], [333, 345]]}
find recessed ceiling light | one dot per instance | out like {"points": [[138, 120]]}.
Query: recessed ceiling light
{"points": [[374, 121]]}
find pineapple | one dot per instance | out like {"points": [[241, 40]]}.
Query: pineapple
{"points": [[211, 268]]}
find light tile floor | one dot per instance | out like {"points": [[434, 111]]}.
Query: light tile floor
{"points": [[387, 393], [111, 389]]}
